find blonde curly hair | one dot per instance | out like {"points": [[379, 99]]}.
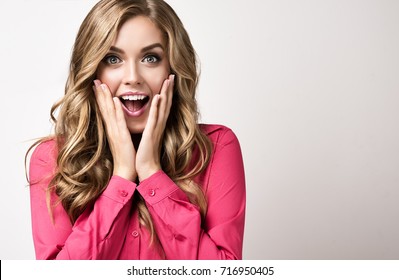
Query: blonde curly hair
{"points": [[84, 162]]}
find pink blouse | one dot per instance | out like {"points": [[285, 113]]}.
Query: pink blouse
{"points": [[111, 228]]}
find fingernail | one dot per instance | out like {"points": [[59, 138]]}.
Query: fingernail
{"points": [[97, 83], [172, 77], [104, 87]]}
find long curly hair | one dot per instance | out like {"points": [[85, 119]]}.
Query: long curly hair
{"points": [[84, 161]]}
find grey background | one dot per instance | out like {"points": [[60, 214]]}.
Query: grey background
{"points": [[311, 89]]}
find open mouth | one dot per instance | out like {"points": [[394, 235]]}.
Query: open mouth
{"points": [[134, 103]]}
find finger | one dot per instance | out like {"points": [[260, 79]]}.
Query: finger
{"points": [[107, 95], [106, 106], [100, 91], [153, 115], [170, 94], [167, 100], [163, 94], [120, 117], [99, 96]]}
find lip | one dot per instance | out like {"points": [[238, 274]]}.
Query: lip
{"points": [[139, 112]]}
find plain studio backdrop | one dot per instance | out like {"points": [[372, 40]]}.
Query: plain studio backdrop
{"points": [[311, 88]]}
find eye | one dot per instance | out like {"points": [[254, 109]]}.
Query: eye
{"points": [[112, 59], [151, 59]]}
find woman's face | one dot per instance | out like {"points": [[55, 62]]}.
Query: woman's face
{"points": [[135, 68]]}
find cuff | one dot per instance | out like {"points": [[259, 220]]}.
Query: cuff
{"points": [[119, 189], [156, 187]]}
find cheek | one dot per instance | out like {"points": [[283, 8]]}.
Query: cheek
{"points": [[110, 78], [156, 84], [156, 79]]}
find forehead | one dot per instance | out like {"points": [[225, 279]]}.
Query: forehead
{"points": [[137, 33]]}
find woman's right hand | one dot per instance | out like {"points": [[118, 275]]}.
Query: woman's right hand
{"points": [[119, 138]]}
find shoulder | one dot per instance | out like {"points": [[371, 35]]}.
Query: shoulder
{"points": [[43, 160], [45, 151], [219, 134]]}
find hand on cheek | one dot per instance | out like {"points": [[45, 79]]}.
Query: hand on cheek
{"points": [[148, 153], [118, 135]]}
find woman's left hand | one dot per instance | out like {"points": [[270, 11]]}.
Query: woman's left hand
{"points": [[148, 155]]}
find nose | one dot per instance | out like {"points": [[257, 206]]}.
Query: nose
{"points": [[132, 74]]}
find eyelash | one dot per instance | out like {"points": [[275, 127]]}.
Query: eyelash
{"points": [[111, 56], [154, 56], [108, 57]]}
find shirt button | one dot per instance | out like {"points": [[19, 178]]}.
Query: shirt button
{"points": [[123, 193], [135, 234], [151, 192]]}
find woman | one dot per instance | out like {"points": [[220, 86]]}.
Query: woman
{"points": [[129, 173]]}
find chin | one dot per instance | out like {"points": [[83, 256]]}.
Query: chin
{"points": [[136, 131], [136, 128], [136, 125]]}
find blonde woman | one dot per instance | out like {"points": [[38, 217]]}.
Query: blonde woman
{"points": [[129, 173]]}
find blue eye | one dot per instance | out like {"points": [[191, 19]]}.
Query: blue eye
{"points": [[151, 59], [112, 59]]}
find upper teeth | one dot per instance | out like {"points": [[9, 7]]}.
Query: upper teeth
{"points": [[133, 97]]}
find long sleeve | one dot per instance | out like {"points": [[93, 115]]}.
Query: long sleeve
{"points": [[98, 233], [178, 223]]}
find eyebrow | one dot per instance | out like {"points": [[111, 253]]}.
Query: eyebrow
{"points": [[143, 50]]}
